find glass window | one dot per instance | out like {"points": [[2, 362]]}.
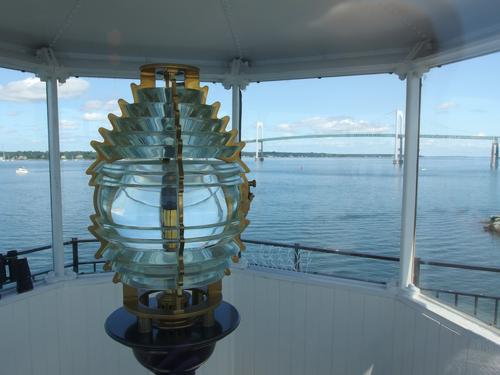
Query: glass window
{"points": [[328, 181], [24, 169], [80, 118], [458, 188]]}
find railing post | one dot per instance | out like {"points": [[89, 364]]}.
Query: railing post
{"points": [[74, 247], [416, 271], [296, 257], [3, 272], [495, 318], [19, 272], [11, 260]]}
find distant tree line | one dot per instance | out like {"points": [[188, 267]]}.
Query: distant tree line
{"points": [[41, 155], [89, 155], [275, 154]]}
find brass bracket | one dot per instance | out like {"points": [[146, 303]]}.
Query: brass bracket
{"points": [[166, 309]]}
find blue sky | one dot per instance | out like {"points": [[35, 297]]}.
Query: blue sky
{"points": [[461, 98]]}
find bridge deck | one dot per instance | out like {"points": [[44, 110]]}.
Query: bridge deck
{"points": [[376, 135]]}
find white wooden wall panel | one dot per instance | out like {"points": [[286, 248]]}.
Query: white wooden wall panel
{"points": [[403, 345], [8, 339], [340, 362], [244, 336], [308, 325], [286, 327], [420, 354], [355, 336], [297, 329], [377, 328], [17, 322], [262, 315], [319, 329], [290, 325], [431, 358], [482, 357], [222, 360], [59, 329], [65, 337]]}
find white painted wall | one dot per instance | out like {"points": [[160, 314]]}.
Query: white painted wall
{"points": [[290, 325], [59, 329], [316, 325]]}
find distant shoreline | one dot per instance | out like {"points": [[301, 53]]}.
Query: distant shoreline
{"points": [[91, 155], [275, 154], [44, 155]]}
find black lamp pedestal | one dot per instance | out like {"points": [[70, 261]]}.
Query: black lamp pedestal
{"points": [[175, 351]]}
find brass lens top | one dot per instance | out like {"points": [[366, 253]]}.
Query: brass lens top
{"points": [[150, 72]]}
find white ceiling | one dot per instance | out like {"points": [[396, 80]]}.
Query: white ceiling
{"points": [[280, 39]]}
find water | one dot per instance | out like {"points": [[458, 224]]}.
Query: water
{"points": [[341, 203]]}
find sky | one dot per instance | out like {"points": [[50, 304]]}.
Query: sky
{"points": [[460, 98]]}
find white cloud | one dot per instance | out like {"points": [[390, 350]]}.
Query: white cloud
{"points": [[94, 116], [33, 90], [327, 125], [73, 87], [446, 106], [68, 124], [29, 89], [101, 105], [98, 110]]}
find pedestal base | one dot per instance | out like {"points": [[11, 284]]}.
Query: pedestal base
{"points": [[176, 351]]}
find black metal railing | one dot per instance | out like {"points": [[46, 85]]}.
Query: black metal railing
{"points": [[438, 293], [7, 272], [456, 295], [296, 254]]}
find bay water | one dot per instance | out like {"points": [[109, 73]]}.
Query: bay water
{"points": [[344, 203]]}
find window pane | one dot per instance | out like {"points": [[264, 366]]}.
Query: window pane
{"points": [[24, 169], [338, 193], [458, 190], [80, 118]]}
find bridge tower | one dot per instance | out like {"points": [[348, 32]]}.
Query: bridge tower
{"points": [[494, 153], [398, 138], [259, 142]]}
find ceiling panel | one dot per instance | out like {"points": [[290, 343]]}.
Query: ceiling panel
{"points": [[118, 35]]}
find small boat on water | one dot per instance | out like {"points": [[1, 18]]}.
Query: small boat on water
{"points": [[493, 225], [21, 171]]}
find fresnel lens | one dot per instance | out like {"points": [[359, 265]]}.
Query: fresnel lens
{"points": [[171, 199]]}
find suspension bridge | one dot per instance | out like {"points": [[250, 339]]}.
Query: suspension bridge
{"points": [[398, 137]]}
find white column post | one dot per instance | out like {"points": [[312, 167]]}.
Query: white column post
{"points": [[55, 177], [236, 82], [410, 178], [235, 120]]}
